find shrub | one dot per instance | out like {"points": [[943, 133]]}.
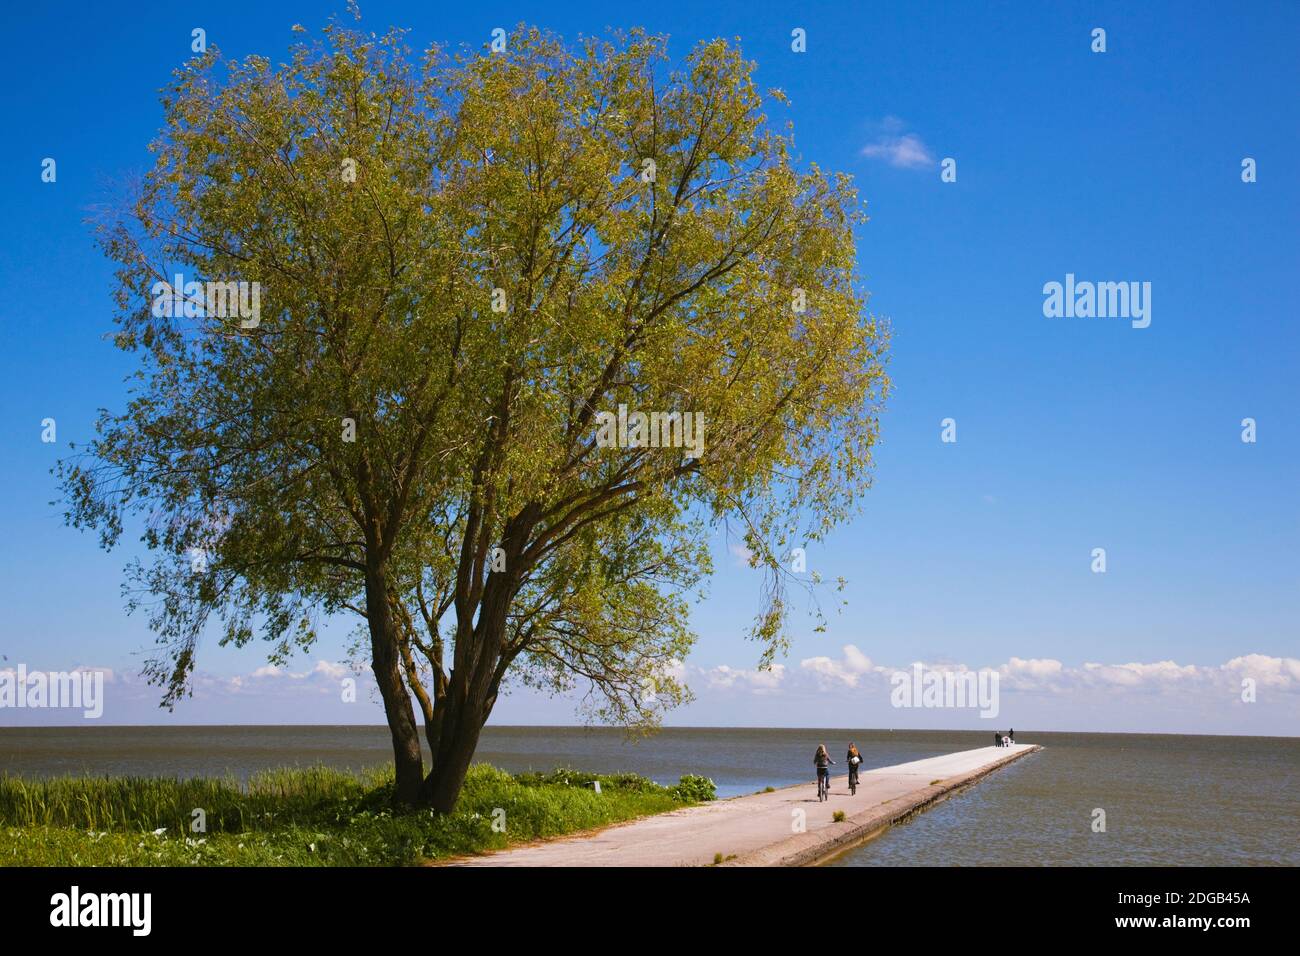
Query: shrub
{"points": [[695, 789]]}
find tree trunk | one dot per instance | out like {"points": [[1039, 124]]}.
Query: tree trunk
{"points": [[457, 743], [468, 703], [472, 691], [385, 662]]}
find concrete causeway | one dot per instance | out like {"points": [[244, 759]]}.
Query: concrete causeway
{"points": [[763, 829]]}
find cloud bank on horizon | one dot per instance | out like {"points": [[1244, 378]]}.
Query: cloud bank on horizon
{"points": [[850, 690]]}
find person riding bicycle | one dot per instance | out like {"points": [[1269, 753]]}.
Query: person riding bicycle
{"points": [[823, 761], [854, 760]]}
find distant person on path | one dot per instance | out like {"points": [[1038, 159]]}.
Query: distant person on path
{"points": [[1012, 734], [997, 738], [823, 761], [854, 760]]}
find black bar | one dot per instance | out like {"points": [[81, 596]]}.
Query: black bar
{"points": [[330, 905]]}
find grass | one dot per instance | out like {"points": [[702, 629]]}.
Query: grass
{"points": [[838, 816], [308, 817]]}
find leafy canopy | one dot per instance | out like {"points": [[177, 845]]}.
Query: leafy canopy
{"points": [[379, 201]]}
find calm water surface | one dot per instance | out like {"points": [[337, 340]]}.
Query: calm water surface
{"points": [[1168, 799]]}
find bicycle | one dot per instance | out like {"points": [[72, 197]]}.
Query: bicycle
{"points": [[853, 781], [823, 784]]}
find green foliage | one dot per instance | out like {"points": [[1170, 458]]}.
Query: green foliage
{"points": [[314, 817], [270, 800], [626, 782], [694, 789], [838, 816]]}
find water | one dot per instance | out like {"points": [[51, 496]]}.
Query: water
{"points": [[1168, 799], [739, 760]]}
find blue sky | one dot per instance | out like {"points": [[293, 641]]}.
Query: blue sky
{"points": [[1073, 433]]}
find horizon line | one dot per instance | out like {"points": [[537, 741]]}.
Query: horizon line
{"points": [[611, 729]]}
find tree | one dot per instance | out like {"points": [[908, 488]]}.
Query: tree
{"points": [[464, 266]]}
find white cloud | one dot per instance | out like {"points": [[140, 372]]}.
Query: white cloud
{"points": [[855, 660], [853, 670], [848, 670], [898, 148], [329, 670], [323, 676], [758, 681], [1019, 673], [1137, 675], [1281, 672], [322, 670]]}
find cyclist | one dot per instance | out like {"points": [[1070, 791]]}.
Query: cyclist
{"points": [[823, 761], [854, 760]]}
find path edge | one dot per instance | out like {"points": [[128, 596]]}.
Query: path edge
{"points": [[823, 845]]}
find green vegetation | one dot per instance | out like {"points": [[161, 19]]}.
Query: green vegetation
{"points": [[312, 817], [838, 816]]}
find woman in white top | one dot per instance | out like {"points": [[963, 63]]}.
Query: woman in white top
{"points": [[854, 760]]}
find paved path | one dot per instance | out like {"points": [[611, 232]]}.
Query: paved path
{"points": [[762, 829]]}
